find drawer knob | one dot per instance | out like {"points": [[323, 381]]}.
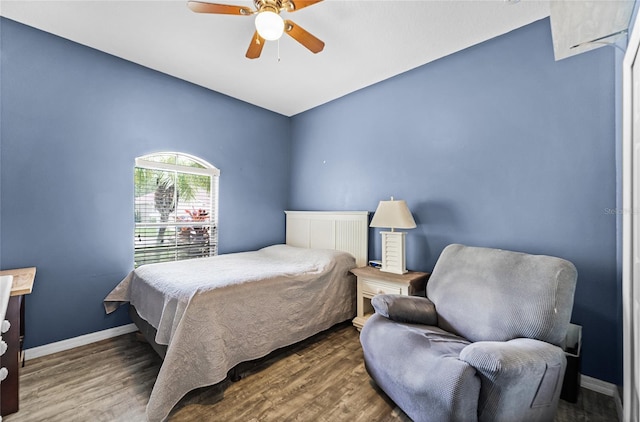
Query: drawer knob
{"points": [[3, 347], [3, 373], [5, 326]]}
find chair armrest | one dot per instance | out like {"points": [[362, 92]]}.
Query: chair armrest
{"points": [[410, 309], [520, 375]]}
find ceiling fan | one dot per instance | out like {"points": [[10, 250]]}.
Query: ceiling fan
{"points": [[269, 24]]}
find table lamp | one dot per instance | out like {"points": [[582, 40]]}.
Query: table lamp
{"points": [[393, 214]]}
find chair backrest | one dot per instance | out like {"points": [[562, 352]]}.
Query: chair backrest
{"points": [[485, 294]]}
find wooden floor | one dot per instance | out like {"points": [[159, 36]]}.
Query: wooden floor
{"points": [[321, 379]]}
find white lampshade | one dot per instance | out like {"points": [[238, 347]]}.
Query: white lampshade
{"points": [[394, 215], [269, 25]]}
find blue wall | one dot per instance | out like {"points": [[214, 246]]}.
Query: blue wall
{"points": [[497, 145], [73, 121]]}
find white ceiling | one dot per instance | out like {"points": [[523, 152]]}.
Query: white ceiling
{"points": [[365, 41]]}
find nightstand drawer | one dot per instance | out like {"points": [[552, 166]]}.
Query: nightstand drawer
{"points": [[371, 287]]}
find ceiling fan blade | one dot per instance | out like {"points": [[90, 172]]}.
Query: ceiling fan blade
{"points": [[222, 9], [301, 4], [255, 48], [303, 37]]}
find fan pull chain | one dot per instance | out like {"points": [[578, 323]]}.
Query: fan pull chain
{"points": [[278, 50]]}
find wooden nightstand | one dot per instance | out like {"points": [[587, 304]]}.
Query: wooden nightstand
{"points": [[372, 281]]}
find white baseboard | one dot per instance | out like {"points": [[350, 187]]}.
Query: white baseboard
{"points": [[598, 386], [60, 346], [606, 388]]}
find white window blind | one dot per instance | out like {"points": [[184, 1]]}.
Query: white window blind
{"points": [[175, 208]]}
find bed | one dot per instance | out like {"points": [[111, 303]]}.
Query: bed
{"points": [[207, 315]]}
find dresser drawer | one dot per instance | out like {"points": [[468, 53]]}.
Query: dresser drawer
{"points": [[374, 287]]}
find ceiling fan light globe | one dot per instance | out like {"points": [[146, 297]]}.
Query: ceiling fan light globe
{"points": [[269, 25]]}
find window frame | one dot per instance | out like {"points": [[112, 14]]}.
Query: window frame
{"points": [[207, 170]]}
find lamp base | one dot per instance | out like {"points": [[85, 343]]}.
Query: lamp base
{"points": [[393, 255], [394, 271]]}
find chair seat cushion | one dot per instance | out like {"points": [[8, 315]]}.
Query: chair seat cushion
{"points": [[418, 367]]}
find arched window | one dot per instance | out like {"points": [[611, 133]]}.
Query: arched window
{"points": [[175, 208]]}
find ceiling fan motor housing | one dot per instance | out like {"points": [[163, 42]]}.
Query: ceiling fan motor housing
{"points": [[272, 5]]}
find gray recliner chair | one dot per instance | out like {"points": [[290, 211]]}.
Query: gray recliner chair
{"points": [[485, 344]]}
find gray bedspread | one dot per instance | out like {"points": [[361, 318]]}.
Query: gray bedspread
{"points": [[214, 313]]}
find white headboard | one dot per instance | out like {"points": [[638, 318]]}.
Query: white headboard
{"points": [[346, 231]]}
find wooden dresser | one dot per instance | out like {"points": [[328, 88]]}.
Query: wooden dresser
{"points": [[22, 285]]}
